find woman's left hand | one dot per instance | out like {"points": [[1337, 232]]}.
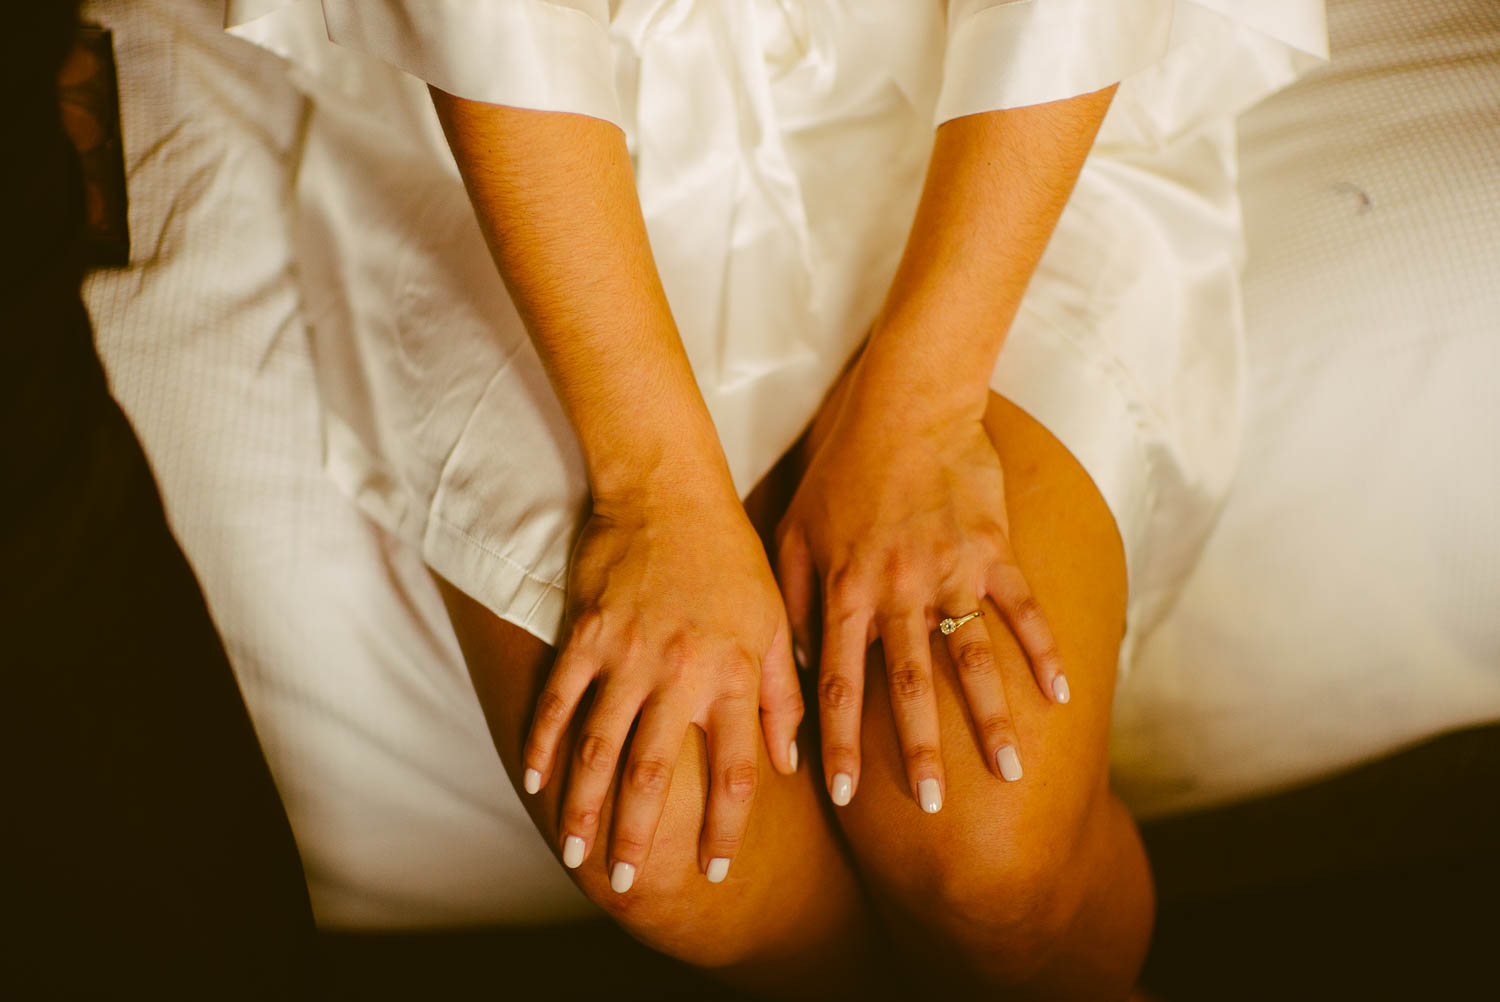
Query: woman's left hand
{"points": [[898, 524]]}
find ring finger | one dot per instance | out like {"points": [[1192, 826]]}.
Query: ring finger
{"points": [[984, 690]]}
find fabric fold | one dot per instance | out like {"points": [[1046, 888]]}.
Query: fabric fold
{"points": [[550, 55], [1013, 53]]}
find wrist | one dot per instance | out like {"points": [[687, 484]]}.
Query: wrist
{"points": [[660, 461], [922, 379]]}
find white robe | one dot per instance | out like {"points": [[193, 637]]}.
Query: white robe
{"points": [[431, 398], [779, 148]]}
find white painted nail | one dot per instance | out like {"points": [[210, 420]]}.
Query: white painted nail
{"points": [[843, 788], [799, 655], [532, 781], [791, 754], [718, 869], [572, 852], [621, 877], [931, 795], [1060, 689], [1009, 763]]}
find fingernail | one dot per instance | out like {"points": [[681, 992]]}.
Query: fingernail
{"points": [[1060, 689], [621, 877], [532, 781], [1009, 763], [931, 795], [718, 869], [800, 656], [791, 754], [572, 852], [843, 788]]}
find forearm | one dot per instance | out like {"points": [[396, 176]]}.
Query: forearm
{"points": [[996, 185], [555, 197]]}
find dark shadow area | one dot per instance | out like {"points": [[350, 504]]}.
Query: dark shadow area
{"points": [[581, 963], [1382, 882]]}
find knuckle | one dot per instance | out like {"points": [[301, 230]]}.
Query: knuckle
{"points": [[921, 757], [902, 570], [679, 657], [650, 776], [582, 819], [588, 624], [596, 753], [847, 589], [739, 780], [841, 758], [997, 730], [789, 705], [1028, 612], [727, 843], [909, 681], [628, 845], [551, 709], [837, 692], [737, 676], [974, 658]]}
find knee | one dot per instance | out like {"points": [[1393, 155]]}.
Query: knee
{"points": [[1011, 902], [675, 911], [998, 888], [671, 906]]}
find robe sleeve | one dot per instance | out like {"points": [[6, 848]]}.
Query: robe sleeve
{"points": [[1012, 53], [551, 55]]}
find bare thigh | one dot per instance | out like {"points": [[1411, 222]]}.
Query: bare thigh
{"points": [[1002, 871], [795, 916]]}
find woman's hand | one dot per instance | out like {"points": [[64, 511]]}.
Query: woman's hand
{"points": [[674, 616], [898, 524], [674, 619]]}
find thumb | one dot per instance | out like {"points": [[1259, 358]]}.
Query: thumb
{"points": [[780, 703]]}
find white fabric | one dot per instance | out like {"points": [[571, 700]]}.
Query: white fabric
{"points": [[1372, 357], [779, 150], [338, 638], [1346, 603], [1009, 54]]}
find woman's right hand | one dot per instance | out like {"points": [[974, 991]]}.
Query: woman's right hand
{"points": [[674, 619], [674, 616]]}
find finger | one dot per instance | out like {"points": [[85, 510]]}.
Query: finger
{"points": [[780, 704], [796, 575], [569, 679], [841, 688], [594, 758], [908, 673], [643, 786], [733, 775], [984, 690], [1013, 596]]}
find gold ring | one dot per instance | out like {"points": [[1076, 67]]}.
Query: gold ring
{"points": [[950, 624]]}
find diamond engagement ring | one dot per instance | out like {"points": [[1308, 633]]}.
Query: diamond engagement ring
{"points": [[951, 624]]}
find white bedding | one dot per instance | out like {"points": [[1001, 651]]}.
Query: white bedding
{"points": [[1348, 602]]}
